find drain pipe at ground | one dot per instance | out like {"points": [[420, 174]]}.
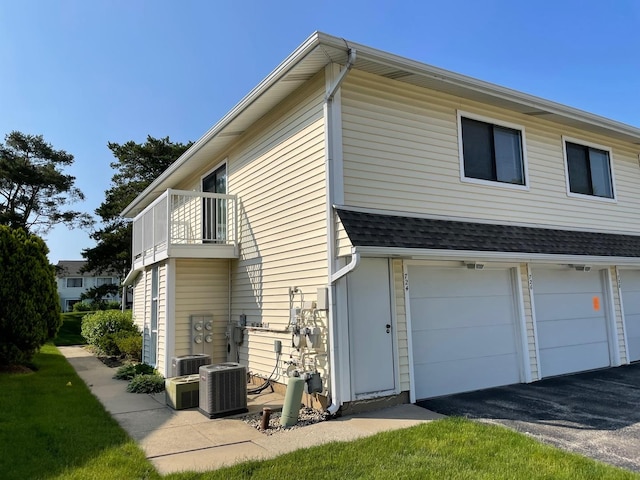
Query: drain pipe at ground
{"points": [[334, 276]]}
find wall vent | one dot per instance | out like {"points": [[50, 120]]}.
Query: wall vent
{"points": [[223, 390], [188, 364]]}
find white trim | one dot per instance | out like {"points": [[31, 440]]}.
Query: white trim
{"points": [[585, 143], [610, 316], [501, 123], [521, 324], [624, 318], [512, 257]]}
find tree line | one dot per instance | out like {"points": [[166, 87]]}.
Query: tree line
{"points": [[37, 194]]}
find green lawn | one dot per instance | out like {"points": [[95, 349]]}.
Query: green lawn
{"points": [[51, 430], [69, 333]]}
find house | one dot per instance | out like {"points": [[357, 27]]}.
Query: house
{"points": [[73, 282], [394, 231]]}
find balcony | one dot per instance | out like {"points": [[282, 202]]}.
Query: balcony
{"points": [[184, 224]]}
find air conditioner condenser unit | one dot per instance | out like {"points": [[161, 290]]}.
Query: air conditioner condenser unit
{"points": [[188, 364], [182, 392], [223, 390]]}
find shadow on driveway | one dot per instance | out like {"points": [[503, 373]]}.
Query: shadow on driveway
{"points": [[596, 414]]}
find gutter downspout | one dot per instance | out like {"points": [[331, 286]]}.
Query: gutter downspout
{"points": [[355, 259]]}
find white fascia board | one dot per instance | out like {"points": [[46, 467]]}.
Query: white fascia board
{"points": [[131, 276], [437, 254]]}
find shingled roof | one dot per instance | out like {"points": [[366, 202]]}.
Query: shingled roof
{"points": [[376, 230]]}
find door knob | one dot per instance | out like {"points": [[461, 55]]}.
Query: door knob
{"points": [[388, 327]]}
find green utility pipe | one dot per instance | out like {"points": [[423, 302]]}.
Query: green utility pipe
{"points": [[292, 401]]}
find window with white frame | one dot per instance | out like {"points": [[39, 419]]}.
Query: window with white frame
{"points": [[74, 282], [104, 281], [588, 168], [491, 151]]}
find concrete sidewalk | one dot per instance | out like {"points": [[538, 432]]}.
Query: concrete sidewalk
{"points": [[177, 440]]}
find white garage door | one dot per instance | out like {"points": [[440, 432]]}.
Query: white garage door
{"points": [[630, 286], [463, 330], [571, 320]]}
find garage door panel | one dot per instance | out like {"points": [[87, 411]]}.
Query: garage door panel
{"points": [[436, 282], [463, 330], [566, 280], [575, 358], [466, 375], [556, 333], [448, 346], [462, 312], [573, 305], [572, 328]]}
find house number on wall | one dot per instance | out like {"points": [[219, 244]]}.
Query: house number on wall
{"points": [[530, 282], [406, 282]]}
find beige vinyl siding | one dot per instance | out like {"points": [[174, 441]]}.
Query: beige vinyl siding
{"points": [[202, 288], [277, 171], [343, 244], [147, 310], [401, 154], [617, 302], [401, 324], [529, 322]]}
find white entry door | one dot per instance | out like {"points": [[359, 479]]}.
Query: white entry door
{"points": [[463, 329], [571, 320], [630, 287], [371, 329]]}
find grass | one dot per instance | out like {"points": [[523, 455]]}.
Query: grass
{"points": [[50, 430], [69, 333]]}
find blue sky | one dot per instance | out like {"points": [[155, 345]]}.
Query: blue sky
{"points": [[84, 73]]}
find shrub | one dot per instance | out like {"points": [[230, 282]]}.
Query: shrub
{"points": [[112, 305], [127, 372], [102, 328], [82, 307], [130, 346], [29, 305], [146, 384]]}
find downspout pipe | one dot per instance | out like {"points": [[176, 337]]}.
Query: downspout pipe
{"points": [[333, 276]]}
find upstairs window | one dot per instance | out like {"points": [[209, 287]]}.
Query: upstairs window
{"points": [[104, 281], [588, 169], [491, 152], [74, 282]]}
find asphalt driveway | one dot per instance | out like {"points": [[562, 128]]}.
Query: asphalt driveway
{"points": [[596, 414]]}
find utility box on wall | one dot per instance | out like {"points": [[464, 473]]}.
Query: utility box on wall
{"points": [[202, 334]]}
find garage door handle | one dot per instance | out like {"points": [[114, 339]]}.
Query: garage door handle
{"points": [[388, 328]]}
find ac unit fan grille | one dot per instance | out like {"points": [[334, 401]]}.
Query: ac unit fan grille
{"points": [[223, 389]]}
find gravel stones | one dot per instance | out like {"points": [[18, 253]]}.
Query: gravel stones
{"points": [[307, 416]]}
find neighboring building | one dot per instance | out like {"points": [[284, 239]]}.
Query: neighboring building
{"points": [[72, 283], [437, 233]]}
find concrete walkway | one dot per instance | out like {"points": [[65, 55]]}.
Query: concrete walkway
{"points": [[177, 440]]}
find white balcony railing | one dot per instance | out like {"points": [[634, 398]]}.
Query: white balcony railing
{"points": [[186, 224]]}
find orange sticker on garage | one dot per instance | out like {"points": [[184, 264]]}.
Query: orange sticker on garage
{"points": [[596, 303]]}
